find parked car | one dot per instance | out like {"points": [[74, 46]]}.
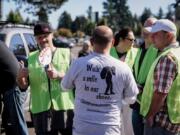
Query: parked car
{"points": [[19, 38], [21, 41], [62, 42]]}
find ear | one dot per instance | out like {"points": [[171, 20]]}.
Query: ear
{"points": [[170, 36]]}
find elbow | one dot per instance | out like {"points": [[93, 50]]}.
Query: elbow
{"points": [[130, 100], [63, 87]]}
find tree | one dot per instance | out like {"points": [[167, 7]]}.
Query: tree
{"points": [[42, 15], [137, 26], [102, 21], [14, 17], [160, 13], [65, 20], [170, 14], [79, 23], [89, 28], [79, 34], [27, 21], [89, 12], [64, 32], [117, 14], [146, 14], [177, 11], [37, 7]]}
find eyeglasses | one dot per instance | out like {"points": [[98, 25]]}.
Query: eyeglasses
{"points": [[131, 39]]}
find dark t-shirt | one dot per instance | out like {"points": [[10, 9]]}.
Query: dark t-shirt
{"points": [[8, 68]]}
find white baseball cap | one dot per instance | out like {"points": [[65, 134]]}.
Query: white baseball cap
{"points": [[162, 24]]}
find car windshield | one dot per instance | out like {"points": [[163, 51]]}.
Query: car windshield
{"points": [[2, 37]]}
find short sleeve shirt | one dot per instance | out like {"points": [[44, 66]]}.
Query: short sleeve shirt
{"points": [[101, 83]]}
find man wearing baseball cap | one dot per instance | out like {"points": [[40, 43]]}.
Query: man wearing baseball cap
{"points": [[52, 109], [160, 104]]}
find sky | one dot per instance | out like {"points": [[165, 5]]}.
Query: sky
{"points": [[79, 7]]}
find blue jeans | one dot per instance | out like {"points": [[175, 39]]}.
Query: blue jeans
{"points": [[13, 115], [156, 130], [137, 122]]}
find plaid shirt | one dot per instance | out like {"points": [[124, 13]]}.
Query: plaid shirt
{"points": [[165, 73]]}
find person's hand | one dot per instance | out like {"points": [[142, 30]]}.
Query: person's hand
{"points": [[52, 73], [150, 121], [22, 76]]}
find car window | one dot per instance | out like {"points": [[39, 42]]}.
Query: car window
{"points": [[17, 45], [30, 39], [2, 37]]}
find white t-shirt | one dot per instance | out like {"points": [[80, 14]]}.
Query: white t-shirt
{"points": [[101, 83]]}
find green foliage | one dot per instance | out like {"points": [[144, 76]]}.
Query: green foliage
{"points": [[102, 21], [160, 14], [65, 20], [89, 28], [89, 12], [42, 15], [64, 32], [178, 30], [47, 4], [170, 14], [79, 24], [39, 7], [137, 26], [177, 13], [15, 17], [146, 14], [79, 34], [117, 14]]}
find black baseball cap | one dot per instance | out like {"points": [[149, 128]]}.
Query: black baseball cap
{"points": [[42, 28]]}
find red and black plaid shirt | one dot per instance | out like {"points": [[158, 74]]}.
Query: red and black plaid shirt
{"points": [[165, 73]]}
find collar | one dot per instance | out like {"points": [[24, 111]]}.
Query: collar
{"points": [[172, 45], [99, 54]]}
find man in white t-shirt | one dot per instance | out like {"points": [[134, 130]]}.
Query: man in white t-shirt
{"points": [[101, 83]]}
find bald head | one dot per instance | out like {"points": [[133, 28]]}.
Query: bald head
{"points": [[147, 35], [102, 35], [150, 21]]}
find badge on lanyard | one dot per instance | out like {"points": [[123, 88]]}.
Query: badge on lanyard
{"points": [[45, 57]]}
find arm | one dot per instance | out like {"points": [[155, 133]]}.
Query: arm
{"points": [[165, 73], [52, 73], [129, 100], [22, 77], [8, 68], [51, 70], [131, 90], [69, 78], [157, 102]]}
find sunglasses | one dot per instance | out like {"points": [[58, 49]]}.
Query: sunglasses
{"points": [[131, 39]]}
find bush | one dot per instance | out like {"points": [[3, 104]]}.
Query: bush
{"points": [[64, 32]]}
